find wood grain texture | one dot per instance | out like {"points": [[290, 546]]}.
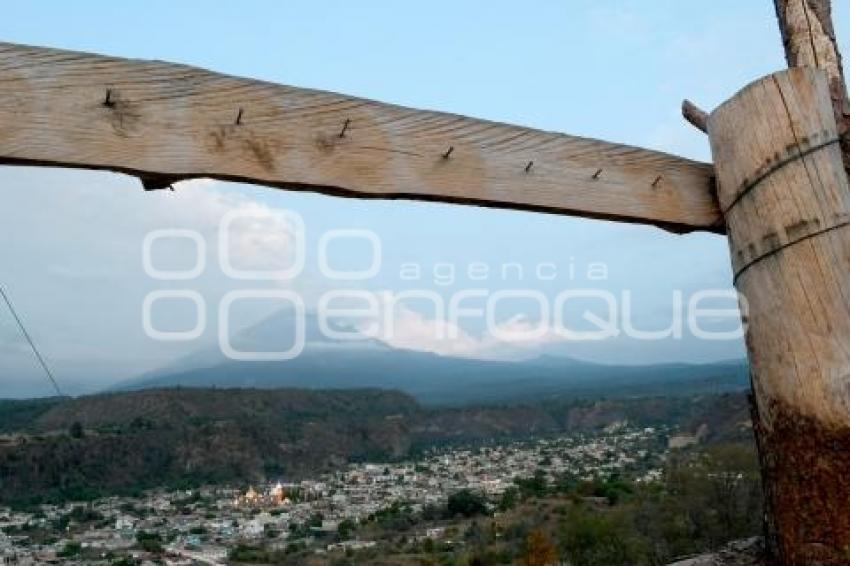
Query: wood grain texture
{"points": [[782, 184], [164, 122], [808, 35]]}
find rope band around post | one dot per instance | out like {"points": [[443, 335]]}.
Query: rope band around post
{"points": [[793, 153], [787, 245]]}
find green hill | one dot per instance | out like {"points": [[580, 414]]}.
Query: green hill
{"points": [[119, 442]]}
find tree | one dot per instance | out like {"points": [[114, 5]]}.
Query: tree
{"points": [[345, 529], [467, 503], [149, 542], [509, 499], [76, 430], [316, 521], [714, 495], [534, 486], [428, 546], [71, 549], [589, 538], [539, 550]]}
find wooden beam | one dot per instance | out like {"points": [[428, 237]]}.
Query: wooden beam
{"points": [[164, 122]]}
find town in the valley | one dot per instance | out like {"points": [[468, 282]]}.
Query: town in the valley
{"points": [[324, 515]]}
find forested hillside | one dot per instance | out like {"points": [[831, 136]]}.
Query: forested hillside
{"points": [[118, 442]]}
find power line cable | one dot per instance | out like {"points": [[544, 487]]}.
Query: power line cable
{"points": [[31, 343]]}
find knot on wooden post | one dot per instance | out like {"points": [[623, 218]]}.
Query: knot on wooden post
{"points": [[697, 117]]}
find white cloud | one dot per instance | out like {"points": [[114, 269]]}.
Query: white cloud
{"points": [[400, 326], [261, 238], [520, 338], [406, 328], [75, 271]]}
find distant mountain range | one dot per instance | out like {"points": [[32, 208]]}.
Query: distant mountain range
{"points": [[432, 379]]}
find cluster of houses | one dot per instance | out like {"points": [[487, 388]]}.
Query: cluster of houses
{"points": [[202, 526]]}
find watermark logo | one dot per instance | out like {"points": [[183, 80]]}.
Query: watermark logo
{"points": [[349, 312]]}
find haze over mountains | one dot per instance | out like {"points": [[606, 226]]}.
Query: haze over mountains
{"points": [[430, 378]]}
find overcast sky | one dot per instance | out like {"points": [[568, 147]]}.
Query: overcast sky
{"points": [[71, 257]]}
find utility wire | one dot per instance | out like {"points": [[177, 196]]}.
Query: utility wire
{"points": [[31, 343]]}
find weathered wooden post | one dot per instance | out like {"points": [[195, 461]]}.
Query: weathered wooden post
{"points": [[809, 40], [785, 197]]}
